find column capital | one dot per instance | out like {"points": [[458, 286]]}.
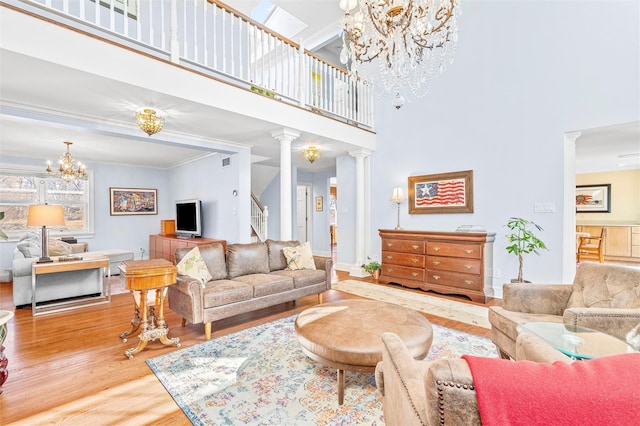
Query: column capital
{"points": [[360, 153], [285, 134]]}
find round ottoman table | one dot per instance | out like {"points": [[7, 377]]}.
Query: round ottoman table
{"points": [[346, 334]]}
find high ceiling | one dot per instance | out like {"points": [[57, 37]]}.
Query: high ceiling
{"points": [[43, 104]]}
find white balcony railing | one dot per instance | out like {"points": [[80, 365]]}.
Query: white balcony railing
{"points": [[203, 34]]}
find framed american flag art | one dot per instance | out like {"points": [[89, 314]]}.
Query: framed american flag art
{"points": [[441, 193]]}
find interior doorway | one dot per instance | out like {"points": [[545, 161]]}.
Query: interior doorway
{"points": [[304, 224]]}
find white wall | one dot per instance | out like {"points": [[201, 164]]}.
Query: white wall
{"points": [[525, 73]]}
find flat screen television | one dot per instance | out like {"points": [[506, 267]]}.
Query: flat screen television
{"points": [[188, 219]]}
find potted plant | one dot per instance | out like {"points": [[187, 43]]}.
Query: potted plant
{"points": [[523, 240], [3, 236], [373, 267]]}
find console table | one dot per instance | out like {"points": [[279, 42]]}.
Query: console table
{"points": [[100, 263], [164, 246], [445, 262]]}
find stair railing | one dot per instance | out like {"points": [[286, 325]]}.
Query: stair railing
{"points": [[259, 215]]}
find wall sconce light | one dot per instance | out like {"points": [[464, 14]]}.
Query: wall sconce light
{"points": [[398, 197], [45, 215]]}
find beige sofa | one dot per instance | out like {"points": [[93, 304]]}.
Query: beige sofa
{"points": [[604, 297], [249, 277], [439, 392]]}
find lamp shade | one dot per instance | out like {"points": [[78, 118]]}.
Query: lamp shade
{"points": [[398, 195], [45, 215]]}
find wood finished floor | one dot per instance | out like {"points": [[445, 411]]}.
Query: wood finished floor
{"points": [[69, 367]]}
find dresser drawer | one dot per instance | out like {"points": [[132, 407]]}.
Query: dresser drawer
{"points": [[454, 279], [454, 264], [396, 271], [405, 259], [473, 251], [405, 246]]}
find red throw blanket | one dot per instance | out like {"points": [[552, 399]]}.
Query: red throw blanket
{"points": [[601, 391]]}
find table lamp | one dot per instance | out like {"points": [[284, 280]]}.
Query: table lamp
{"points": [[398, 197], [45, 215]]}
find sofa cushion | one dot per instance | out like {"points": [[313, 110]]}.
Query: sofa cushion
{"points": [[245, 259], [224, 292], [266, 284], [610, 286], [299, 257], [277, 261], [303, 278], [192, 265], [213, 255]]}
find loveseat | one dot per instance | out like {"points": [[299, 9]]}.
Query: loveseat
{"points": [[246, 278], [445, 391], [63, 284], [604, 297]]}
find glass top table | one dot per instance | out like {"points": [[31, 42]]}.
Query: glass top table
{"points": [[575, 341]]}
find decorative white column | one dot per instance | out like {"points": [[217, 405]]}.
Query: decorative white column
{"points": [[361, 198], [569, 208], [285, 136]]}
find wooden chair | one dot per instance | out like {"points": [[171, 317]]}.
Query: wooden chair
{"points": [[591, 247]]}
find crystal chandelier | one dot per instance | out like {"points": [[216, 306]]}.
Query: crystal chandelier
{"points": [[149, 120], [311, 153], [68, 168], [412, 40]]}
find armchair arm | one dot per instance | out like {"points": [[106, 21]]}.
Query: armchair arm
{"points": [[550, 299], [616, 322]]}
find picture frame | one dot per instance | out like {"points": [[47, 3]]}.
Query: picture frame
{"points": [[133, 201], [441, 193], [319, 203], [593, 198]]}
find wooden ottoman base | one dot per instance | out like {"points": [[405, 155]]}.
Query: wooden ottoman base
{"points": [[346, 335]]}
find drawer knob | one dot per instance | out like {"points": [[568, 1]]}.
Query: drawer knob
{"points": [[414, 260], [468, 282], [436, 262], [468, 251], [415, 246], [389, 270], [415, 274], [436, 249], [389, 257], [389, 244], [468, 266], [436, 277]]}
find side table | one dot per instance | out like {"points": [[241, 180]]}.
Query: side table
{"points": [[143, 276], [5, 316]]}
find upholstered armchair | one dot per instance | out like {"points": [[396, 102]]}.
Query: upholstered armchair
{"points": [[440, 392], [603, 297]]}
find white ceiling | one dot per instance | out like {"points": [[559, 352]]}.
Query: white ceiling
{"points": [[43, 104]]}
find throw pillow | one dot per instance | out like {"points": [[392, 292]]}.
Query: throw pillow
{"points": [[29, 249], [299, 257], [59, 248], [192, 265]]}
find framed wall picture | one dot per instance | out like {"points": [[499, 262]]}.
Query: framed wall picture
{"points": [[593, 198], [130, 201], [319, 203], [441, 193]]}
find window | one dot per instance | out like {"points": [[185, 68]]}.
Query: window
{"points": [[19, 189]]}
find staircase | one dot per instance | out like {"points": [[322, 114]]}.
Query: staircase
{"points": [[259, 215]]}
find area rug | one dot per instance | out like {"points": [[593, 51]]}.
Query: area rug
{"points": [[450, 309], [261, 376]]}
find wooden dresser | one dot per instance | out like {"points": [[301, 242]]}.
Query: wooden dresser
{"points": [[164, 246], [445, 262]]}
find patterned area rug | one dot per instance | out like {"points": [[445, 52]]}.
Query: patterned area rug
{"points": [[261, 376], [459, 311]]}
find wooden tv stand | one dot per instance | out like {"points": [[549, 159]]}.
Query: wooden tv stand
{"points": [[164, 246]]}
